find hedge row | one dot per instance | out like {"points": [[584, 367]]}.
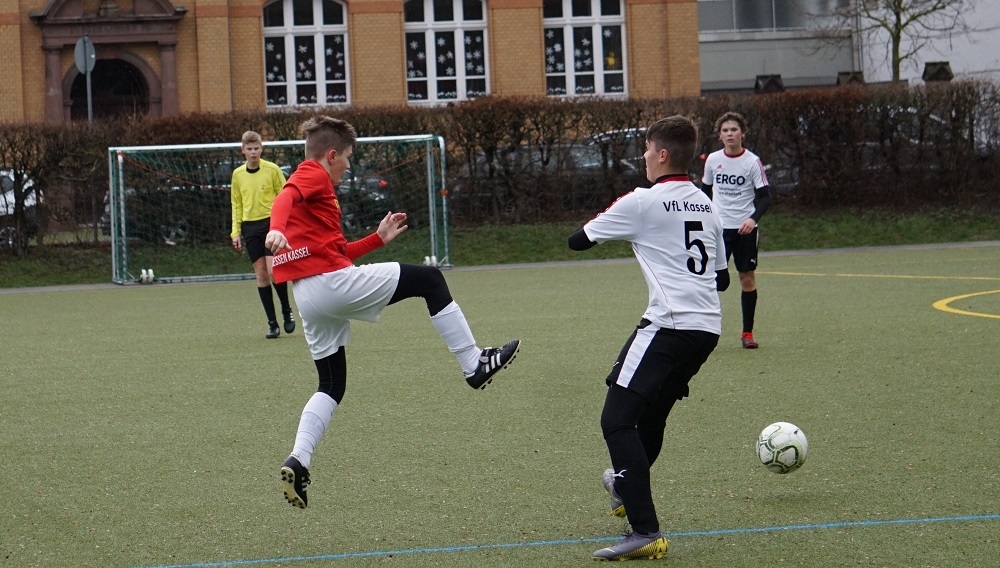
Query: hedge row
{"points": [[530, 160]]}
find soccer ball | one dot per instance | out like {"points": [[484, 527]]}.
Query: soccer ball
{"points": [[782, 447]]}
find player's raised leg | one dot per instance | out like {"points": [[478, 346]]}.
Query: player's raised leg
{"points": [[478, 365]]}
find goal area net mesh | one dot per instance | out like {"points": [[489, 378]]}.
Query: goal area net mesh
{"points": [[168, 208]]}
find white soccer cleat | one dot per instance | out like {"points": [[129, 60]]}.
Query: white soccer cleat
{"points": [[608, 480]]}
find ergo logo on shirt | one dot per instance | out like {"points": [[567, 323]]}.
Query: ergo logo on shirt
{"points": [[721, 178]]}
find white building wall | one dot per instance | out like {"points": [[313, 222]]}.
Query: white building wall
{"points": [[733, 61], [734, 50], [973, 56], [742, 39]]}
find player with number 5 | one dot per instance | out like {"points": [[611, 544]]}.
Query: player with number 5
{"points": [[677, 239]]}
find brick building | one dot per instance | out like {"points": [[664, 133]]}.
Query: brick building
{"points": [[160, 58]]}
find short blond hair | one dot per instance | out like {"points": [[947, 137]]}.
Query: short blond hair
{"points": [[249, 137]]}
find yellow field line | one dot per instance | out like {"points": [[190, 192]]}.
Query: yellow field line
{"points": [[942, 305], [901, 276]]}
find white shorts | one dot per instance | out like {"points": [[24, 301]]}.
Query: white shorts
{"points": [[328, 302]]}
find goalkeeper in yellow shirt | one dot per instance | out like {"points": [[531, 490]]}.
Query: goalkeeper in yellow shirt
{"points": [[254, 187]]}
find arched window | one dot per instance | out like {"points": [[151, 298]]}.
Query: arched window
{"points": [[305, 52], [584, 47], [445, 50]]}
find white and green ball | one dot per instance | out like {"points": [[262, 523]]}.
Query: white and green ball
{"points": [[782, 447]]}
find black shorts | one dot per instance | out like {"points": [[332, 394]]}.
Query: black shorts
{"points": [[659, 362], [254, 233], [742, 248]]}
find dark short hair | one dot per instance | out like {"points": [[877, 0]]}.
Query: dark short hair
{"points": [[323, 133], [731, 116], [678, 136]]}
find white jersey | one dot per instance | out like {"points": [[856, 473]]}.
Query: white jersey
{"points": [[734, 181], [677, 238]]}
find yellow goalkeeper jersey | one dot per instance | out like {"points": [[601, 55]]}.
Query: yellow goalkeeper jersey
{"points": [[253, 192]]}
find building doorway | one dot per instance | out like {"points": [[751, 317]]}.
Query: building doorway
{"points": [[117, 87]]}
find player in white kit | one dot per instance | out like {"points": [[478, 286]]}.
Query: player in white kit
{"points": [[677, 239], [735, 180]]}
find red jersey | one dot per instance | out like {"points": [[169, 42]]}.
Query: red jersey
{"points": [[307, 212]]}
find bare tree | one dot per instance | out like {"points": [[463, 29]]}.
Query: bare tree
{"points": [[905, 26]]}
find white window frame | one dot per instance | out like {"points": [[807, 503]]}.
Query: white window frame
{"points": [[460, 55], [300, 77], [574, 58]]}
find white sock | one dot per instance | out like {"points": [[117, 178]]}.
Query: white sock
{"points": [[315, 418], [450, 323]]}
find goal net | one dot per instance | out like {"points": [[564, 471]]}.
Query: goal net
{"points": [[168, 209]]}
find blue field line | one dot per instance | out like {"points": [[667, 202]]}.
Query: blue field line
{"points": [[466, 548]]}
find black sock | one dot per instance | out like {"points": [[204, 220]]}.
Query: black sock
{"points": [[618, 424], [268, 301], [282, 291], [749, 301]]}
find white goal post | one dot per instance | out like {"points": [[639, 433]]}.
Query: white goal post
{"points": [[168, 209]]}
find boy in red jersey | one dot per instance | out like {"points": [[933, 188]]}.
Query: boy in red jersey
{"points": [[330, 291]]}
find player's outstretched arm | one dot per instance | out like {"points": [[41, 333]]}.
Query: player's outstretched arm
{"points": [[579, 240]]}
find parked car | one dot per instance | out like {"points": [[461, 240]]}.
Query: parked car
{"points": [[165, 227], [621, 146], [365, 199], [8, 223], [196, 206], [892, 142], [533, 182], [191, 204]]}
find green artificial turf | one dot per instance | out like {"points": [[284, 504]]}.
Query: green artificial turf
{"points": [[144, 426]]}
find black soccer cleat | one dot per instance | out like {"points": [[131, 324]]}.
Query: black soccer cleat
{"points": [[294, 479], [289, 322], [272, 332], [492, 360]]}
